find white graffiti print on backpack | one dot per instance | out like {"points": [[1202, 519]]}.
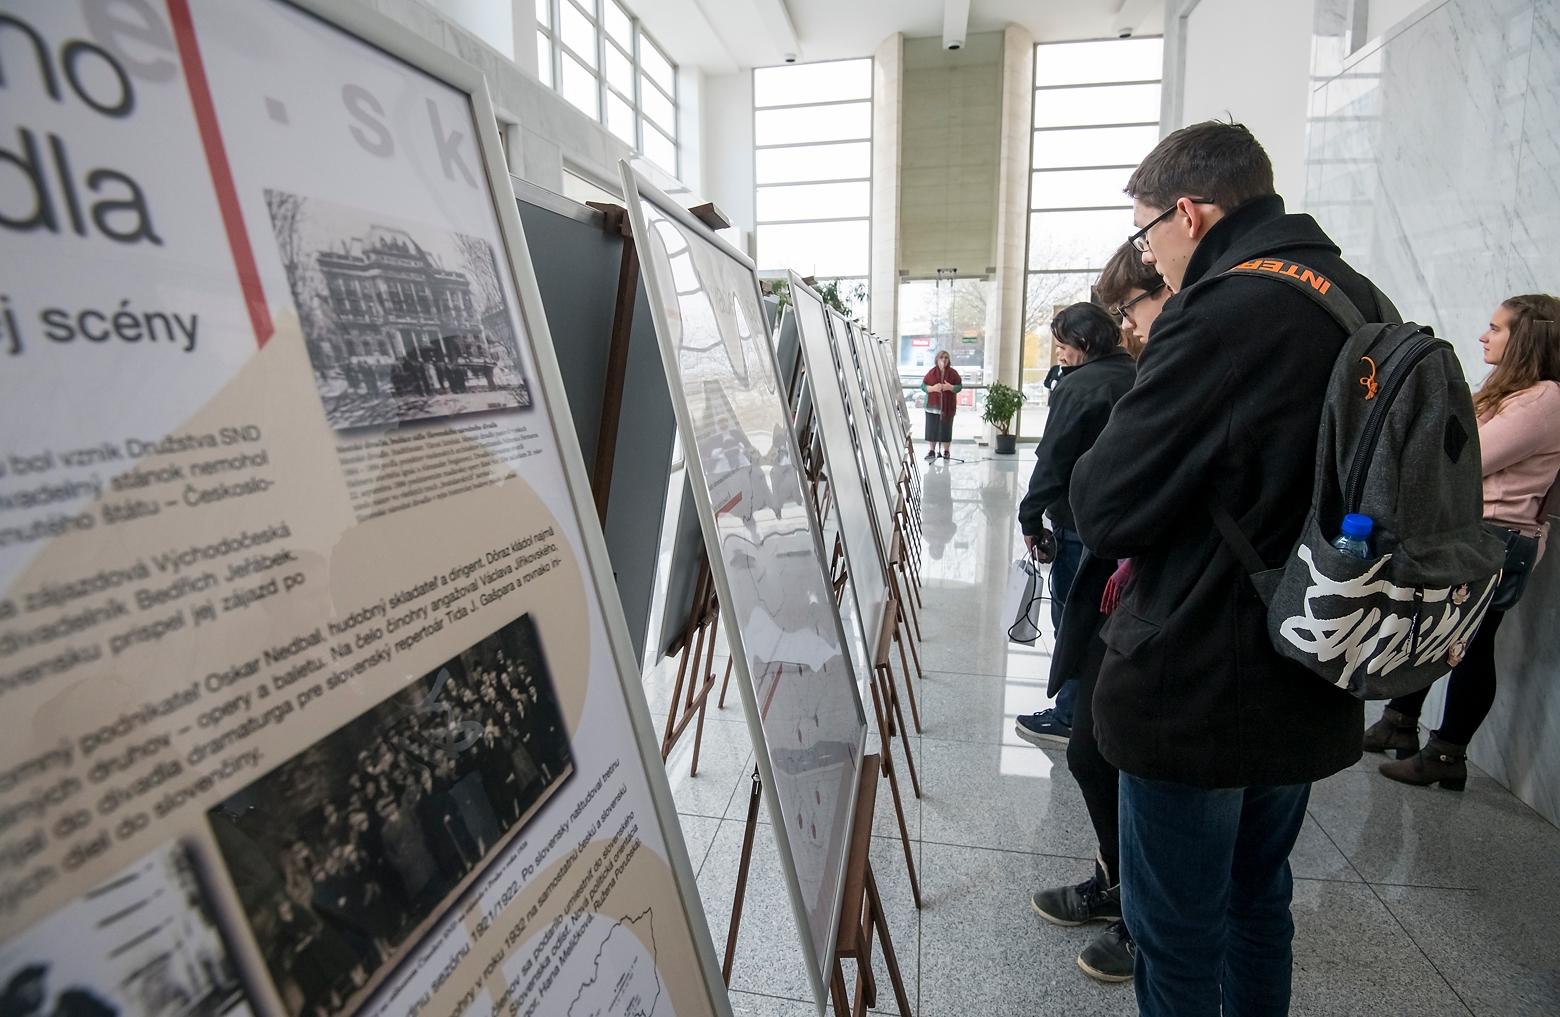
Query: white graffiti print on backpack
{"points": [[1367, 625]]}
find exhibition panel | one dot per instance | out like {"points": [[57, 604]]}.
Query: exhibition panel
{"points": [[865, 546], [317, 692], [777, 607]]}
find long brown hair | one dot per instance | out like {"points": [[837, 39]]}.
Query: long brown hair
{"points": [[1532, 352]]}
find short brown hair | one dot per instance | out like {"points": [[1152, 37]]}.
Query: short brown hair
{"points": [[1219, 161], [1123, 273]]}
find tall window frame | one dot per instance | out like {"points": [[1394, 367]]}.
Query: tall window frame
{"points": [[1096, 115], [779, 173], [632, 87]]}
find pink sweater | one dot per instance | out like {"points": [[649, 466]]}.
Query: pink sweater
{"points": [[1521, 448]]}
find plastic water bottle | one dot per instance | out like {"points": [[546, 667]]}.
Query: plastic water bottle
{"points": [[1355, 538]]}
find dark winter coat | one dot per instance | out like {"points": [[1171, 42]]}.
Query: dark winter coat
{"points": [[1226, 407], [1080, 405]]}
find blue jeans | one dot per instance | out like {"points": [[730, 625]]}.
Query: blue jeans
{"points": [[1205, 893], [1069, 554]]}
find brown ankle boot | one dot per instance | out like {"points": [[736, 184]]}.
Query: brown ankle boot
{"points": [[1394, 732], [1438, 763]]}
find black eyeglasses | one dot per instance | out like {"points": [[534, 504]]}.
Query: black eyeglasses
{"points": [[1139, 239], [1125, 310]]}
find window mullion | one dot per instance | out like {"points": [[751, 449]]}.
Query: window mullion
{"points": [[639, 116]]}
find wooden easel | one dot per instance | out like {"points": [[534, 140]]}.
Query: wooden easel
{"points": [[861, 913], [861, 905], [697, 639], [695, 646]]}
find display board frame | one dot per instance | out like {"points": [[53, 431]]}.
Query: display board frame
{"points": [[888, 417], [842, 475], [381, 34], [640, 191], [888, 382], [384, 34], [867, 426]]}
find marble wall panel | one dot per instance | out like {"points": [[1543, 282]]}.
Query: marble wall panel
{"points": [[1433, 160]]}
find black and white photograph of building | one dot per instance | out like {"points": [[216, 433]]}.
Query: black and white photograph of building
{"points": [[404, 322], [346, 854], [142, 943]]}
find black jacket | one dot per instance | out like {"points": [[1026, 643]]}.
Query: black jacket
{"points": [[1080, 405], [1227, 405]]}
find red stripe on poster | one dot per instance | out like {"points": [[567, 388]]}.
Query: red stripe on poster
{"points": [[221, 172]]}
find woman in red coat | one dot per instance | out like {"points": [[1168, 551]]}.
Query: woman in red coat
{"points": [[941, 385]]}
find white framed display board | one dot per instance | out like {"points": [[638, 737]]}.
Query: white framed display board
{"points": [[861, 398], [883, 432], [887, 396], [866, 545], [888, 377], [316, 695], [788, 645]]}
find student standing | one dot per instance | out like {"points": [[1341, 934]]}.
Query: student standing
{"points": [[1135, 294], [1089, 342], [942, 386], [1217, 737], [1519, 439]]}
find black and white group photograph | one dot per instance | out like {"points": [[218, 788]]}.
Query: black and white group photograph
{"points": [[403, 322], [142, 943], [345, 854]]}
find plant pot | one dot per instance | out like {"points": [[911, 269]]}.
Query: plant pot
{"points": [[1007, 444]]}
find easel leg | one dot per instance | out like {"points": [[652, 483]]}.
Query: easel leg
{"points": [[914, 654], [891, 690], [837, 995], [667, 738], [725, 684], [876, 904], [742, 878], [899, 807], [904, 575], [915, 710], [698, 730], [707, 682]]}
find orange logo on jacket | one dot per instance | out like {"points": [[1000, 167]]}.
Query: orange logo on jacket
{"points": [[1277, 266]]}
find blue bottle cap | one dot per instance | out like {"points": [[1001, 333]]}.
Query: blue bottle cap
{"points": [[1357, 526]]}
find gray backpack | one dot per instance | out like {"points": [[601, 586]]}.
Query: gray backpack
{"points": [[1398, 442]]}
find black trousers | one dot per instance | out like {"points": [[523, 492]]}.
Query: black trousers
{"points": [[1097, 778], [1470, 691]]}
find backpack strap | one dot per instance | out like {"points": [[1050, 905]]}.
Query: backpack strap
{"points": [[1310, 282], [1342, 310], [1245, 552]]}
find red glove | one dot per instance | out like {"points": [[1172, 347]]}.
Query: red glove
{"points": [[1115, 586]]}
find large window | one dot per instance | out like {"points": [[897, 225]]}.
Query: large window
{"points": [[812, 131], [601, 60], [1096, 117]]}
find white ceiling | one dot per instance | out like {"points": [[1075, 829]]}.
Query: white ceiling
{"points": [[724, 36]]}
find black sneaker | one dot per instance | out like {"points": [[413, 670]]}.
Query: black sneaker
{"points": [[1089, 901], [1042, 729], [1110, 956], [931, 455]]}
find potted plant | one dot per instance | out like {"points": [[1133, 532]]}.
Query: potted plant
{"points": [[1002, 402]]}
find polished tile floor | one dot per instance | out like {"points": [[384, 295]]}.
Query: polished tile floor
{"points": [[1407, 901]]}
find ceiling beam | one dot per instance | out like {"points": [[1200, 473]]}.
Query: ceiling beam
{"points": [[956, 22], [781, 31]]}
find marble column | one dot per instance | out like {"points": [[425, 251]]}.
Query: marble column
{"points": [[887, 86]]}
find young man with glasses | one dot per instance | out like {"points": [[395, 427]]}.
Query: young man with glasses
{"points": [[1217, 737], [1133, 293]]}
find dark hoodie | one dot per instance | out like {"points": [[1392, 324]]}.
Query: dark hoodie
{"points": [[1226, 408]]}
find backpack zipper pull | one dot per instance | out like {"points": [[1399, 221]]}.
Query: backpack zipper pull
{"points": [[1371, 385]]}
